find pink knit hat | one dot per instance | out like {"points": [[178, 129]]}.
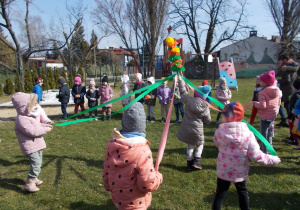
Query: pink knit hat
{"points": [[92, 82], [268, 77], [77, 79]]}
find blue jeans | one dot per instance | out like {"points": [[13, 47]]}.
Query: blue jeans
{"points": [[64, 110], [281, 112], [267, 132], [178, 107], [95, 112]]}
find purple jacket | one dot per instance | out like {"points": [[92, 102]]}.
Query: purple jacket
{"points": [[106, 93], [237, 145], [164, 94], [29, 130]]}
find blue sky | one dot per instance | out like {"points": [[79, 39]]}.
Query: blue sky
{"points": [[259, 16]]}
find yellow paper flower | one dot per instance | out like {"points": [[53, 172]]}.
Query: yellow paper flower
{"points": [[175, 50], [170, 41]]}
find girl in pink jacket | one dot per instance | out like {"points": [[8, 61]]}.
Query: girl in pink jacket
{"points": [[105, 93], [269, 100], [237, 145], [31, 124], [128, 171]]}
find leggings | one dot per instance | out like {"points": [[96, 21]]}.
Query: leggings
{"points": [[222, 188]]}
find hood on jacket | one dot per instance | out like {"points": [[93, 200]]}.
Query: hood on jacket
{"points": [[234, 134], [272, 91], [24, 102]]}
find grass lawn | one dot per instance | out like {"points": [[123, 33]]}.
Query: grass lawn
{"points": [[73, 159]]}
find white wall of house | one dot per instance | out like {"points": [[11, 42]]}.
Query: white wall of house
{"points": [[251, 53]]}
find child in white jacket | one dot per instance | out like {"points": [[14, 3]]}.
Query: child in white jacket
{"points": [[237, 145]]}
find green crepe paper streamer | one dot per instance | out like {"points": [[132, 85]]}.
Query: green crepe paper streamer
{"points": [[150, 88], [175, 68], [174, 57], [251, 128]]}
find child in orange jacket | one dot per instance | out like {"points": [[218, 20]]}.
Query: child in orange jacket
{"points": [[128, 171]]}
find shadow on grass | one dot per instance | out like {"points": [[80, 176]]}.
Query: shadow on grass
{"points": [[267, 200], [81, 205], [12, 184], [9, 163]]}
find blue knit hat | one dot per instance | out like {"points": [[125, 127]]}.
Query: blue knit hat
{"points": [[204, 91]]}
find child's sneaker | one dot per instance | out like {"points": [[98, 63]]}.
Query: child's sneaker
{"points": [[30, 185], [148, 119], [152, 120], [196, 163], [96, 118], [163, 120], [63, 120], [177, 120], [189, 165]]}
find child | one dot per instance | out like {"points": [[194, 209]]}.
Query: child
{"points": [[63, 97], [37, 89], [138, 85], [78, 93], [128, 171], [31, 124], [191, 129], [237, 145], [164, 95], [106, 93], [223, 94], [293, 139], [297, 115], [150, 100], [92, 97], [177, 103], [255, 98], [205, 82], [125, 90], [268, 105]]}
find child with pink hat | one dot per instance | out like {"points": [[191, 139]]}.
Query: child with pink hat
{"points": [[78, 92], [269, 99]]}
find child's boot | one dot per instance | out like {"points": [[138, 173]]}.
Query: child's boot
{"points": [[38, 182], [30, 185], [153, 119], [109, 117], [196, 163], [163, 119], [189, 165], [148, 119], [104, 118]]}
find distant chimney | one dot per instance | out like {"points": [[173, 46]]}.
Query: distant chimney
{"points": [[253, 33], [276, 39]]}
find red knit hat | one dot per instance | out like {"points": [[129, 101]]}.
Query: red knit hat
{"points": [[233, 112], [268, 77], [205, 82], [38, 80]]}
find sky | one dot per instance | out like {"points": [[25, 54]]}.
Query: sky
{"points": [[259, 16]]}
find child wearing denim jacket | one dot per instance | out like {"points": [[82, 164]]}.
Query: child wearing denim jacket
{"points": [[237, 145]]}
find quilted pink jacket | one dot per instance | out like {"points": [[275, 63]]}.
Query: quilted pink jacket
{"points": [[268, 103], [105, 93], [223, 96], [237, 145], [29, 130], [128, 172]]}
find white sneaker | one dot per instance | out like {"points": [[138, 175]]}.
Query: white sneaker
{"points": [[30, 185]]}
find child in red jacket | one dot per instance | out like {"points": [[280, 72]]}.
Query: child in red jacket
{"points": [[128, 171]]}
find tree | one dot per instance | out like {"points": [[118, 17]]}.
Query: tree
{"points": [[1, 90], [17, 87], [34, 75], [8, 86], [7, 55], [28, 81], [44, 77], [82, 73], [217, 20], [286, 16], [56, 76], [138, 21], [22, 54], [51, 82], [63, 74]]}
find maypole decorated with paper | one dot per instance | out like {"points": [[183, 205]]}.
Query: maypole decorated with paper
{"points": [[174, 55]]}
